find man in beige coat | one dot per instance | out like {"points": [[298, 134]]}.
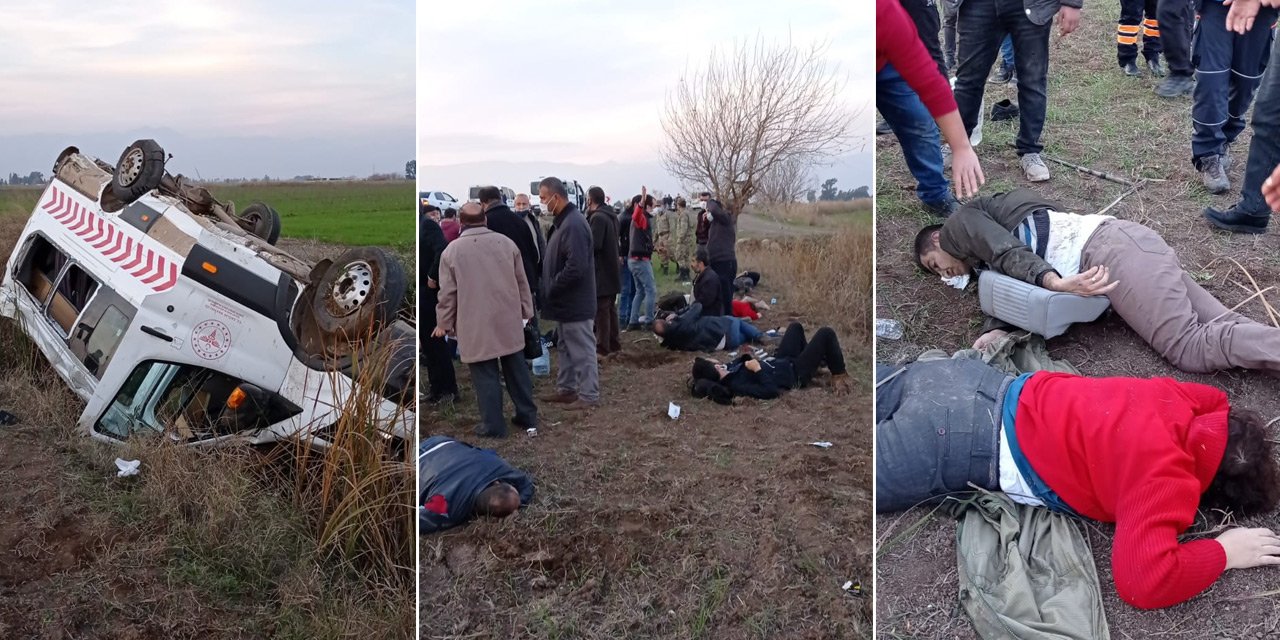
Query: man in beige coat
{"points": [[484, 302]]}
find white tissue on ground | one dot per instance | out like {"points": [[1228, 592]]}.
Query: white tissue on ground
{"points": [[127, 467], [673, 410], [958, 282]]}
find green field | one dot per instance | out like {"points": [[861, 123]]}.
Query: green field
{"points": [[350, 213]]}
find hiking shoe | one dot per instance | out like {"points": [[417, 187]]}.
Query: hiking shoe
{"points": [[1212, 175], [1175, 86], [482, 432], [442, 398], [559, 397], [1156, 68], [1004, 110], [1034, 168], [883, 128], [1002, 75], [1227, 160], [1237, 221], [1131, 69], [943, 209], [581, 405]]}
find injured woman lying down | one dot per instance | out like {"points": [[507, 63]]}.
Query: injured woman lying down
{"points": [[1145, 454]]}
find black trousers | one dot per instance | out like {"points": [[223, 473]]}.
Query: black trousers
{"points": [[807, 355], [928, 23], [727, 270], [1137, 17], [488, 388], [436, 354], [1176, 18]]}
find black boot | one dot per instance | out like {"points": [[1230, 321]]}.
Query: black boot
{"points": [[1175, 86], [1131, 69], [1237, 221], [1156, 68]]}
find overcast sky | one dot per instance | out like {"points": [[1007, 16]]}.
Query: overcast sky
{"points": [[584, 82], [246, 87]]}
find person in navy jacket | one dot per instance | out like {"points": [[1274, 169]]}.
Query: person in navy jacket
{"points": [[457, 481]]}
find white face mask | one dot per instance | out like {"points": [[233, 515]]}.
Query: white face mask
{"points": [[958, 282]]}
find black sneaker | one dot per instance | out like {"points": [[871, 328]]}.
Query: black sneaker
{"points": [[442, 398], [1212, 175], [1131, 69], [1156, 68], [943, 209], [1176, 86], [485, 433], [1003, 75], [632, 327], [1237, 221], [883, 128], [1004, 110]]}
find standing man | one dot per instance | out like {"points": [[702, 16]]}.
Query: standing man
{"points": [[722, 253], [662, 234], [604, 244], [628, 284], [1138, 15], [680, 242], [500, 218], [640, 262], [484, 301], [980, 26], [442, 385], [526, 215], [569, 298], [1176, 19], [704, 223], [449, 225]]}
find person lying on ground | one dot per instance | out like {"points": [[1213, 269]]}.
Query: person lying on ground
{"points": [[457, 481], [1146, 454], [690, 330], [1023, 236], [746, 310], [792, 366], [706, 284], [746, 281]]}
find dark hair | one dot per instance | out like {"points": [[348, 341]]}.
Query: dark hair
{"points": [[701, 255], [450, 212], [704, 369], [924, 242], [429, 208], [680, 202], [554, 185], [705, 193], [718, 393], [488, 194], [648, 200], [635, 200], [1248, 478], [595, 195]]}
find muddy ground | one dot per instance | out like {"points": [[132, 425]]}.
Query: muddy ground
{"points": [[724, 523], [1100, 119]]}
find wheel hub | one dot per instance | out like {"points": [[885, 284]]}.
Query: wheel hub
{"points": [[131, 167], [352, 288]]}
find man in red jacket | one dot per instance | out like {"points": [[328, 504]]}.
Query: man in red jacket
{"points": [[1146, 454]]}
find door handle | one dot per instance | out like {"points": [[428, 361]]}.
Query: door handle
{"points": [[156, 333]]}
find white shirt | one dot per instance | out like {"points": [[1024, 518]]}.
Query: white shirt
{"points": [[1011, 481], [1068, 233]]}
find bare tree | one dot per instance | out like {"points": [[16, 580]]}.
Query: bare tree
{"points": [[750, 113], [786, 182]]}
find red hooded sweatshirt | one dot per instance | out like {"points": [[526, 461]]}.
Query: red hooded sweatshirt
{"points": [[1138, 453], [898, 43]]}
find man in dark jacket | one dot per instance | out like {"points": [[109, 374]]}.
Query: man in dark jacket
{"points": [[980, 27], [436, 356], [457, 481], [530, 220], [569, 298], [1026, 237], [722, 251], [500, 218], [704, 223], [706, 285], [604, 238], [689, 330]]}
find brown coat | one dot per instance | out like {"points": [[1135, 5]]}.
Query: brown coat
{"points": [[484, 295]]}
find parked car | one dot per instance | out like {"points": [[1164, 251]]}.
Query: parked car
{"points": [[439, 199], [172, 315]]}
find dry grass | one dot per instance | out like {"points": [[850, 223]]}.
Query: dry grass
{"points": [[826, 276], [819, 214]]}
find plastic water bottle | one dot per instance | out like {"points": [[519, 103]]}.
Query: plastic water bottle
{"points": [[542, 363], [888, 329]]}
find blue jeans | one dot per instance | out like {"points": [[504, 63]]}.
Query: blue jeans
{"points": [[916, 132], [1264, 148], [740, 332], [1228, 70], [1006, 53], [624, 302], [982, 25], [645, 295]]}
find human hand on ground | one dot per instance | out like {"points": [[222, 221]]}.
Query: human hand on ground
{"points": [[989, 338], [1094, 282], [1250, 547], [438, 333], [1240, 16], [1271, 189], [966, 172], [1068, 20]]}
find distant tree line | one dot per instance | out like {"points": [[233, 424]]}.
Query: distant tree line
{"points": [[33, 178], [831, 193]]}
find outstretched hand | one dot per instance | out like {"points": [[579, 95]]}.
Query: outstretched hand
{"points": [[1094, 282], [1241, 14], [1248, 548], [966, 172]]}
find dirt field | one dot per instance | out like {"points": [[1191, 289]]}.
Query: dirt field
{"points": [[196, 546], [725, 523], [1099, 118]]}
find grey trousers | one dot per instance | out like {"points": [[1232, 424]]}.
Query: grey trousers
{"points": [[579, 372], [1185, 324], [488, 389], [936, 430]]}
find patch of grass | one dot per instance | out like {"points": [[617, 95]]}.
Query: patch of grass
{"points": [[717, 589], [18, 200], [350, 213]]}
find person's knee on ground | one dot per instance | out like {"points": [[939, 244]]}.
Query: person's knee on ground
{"points": [[498, 500]]}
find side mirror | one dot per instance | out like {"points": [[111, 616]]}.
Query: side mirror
{"points": [[246, 408]]}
